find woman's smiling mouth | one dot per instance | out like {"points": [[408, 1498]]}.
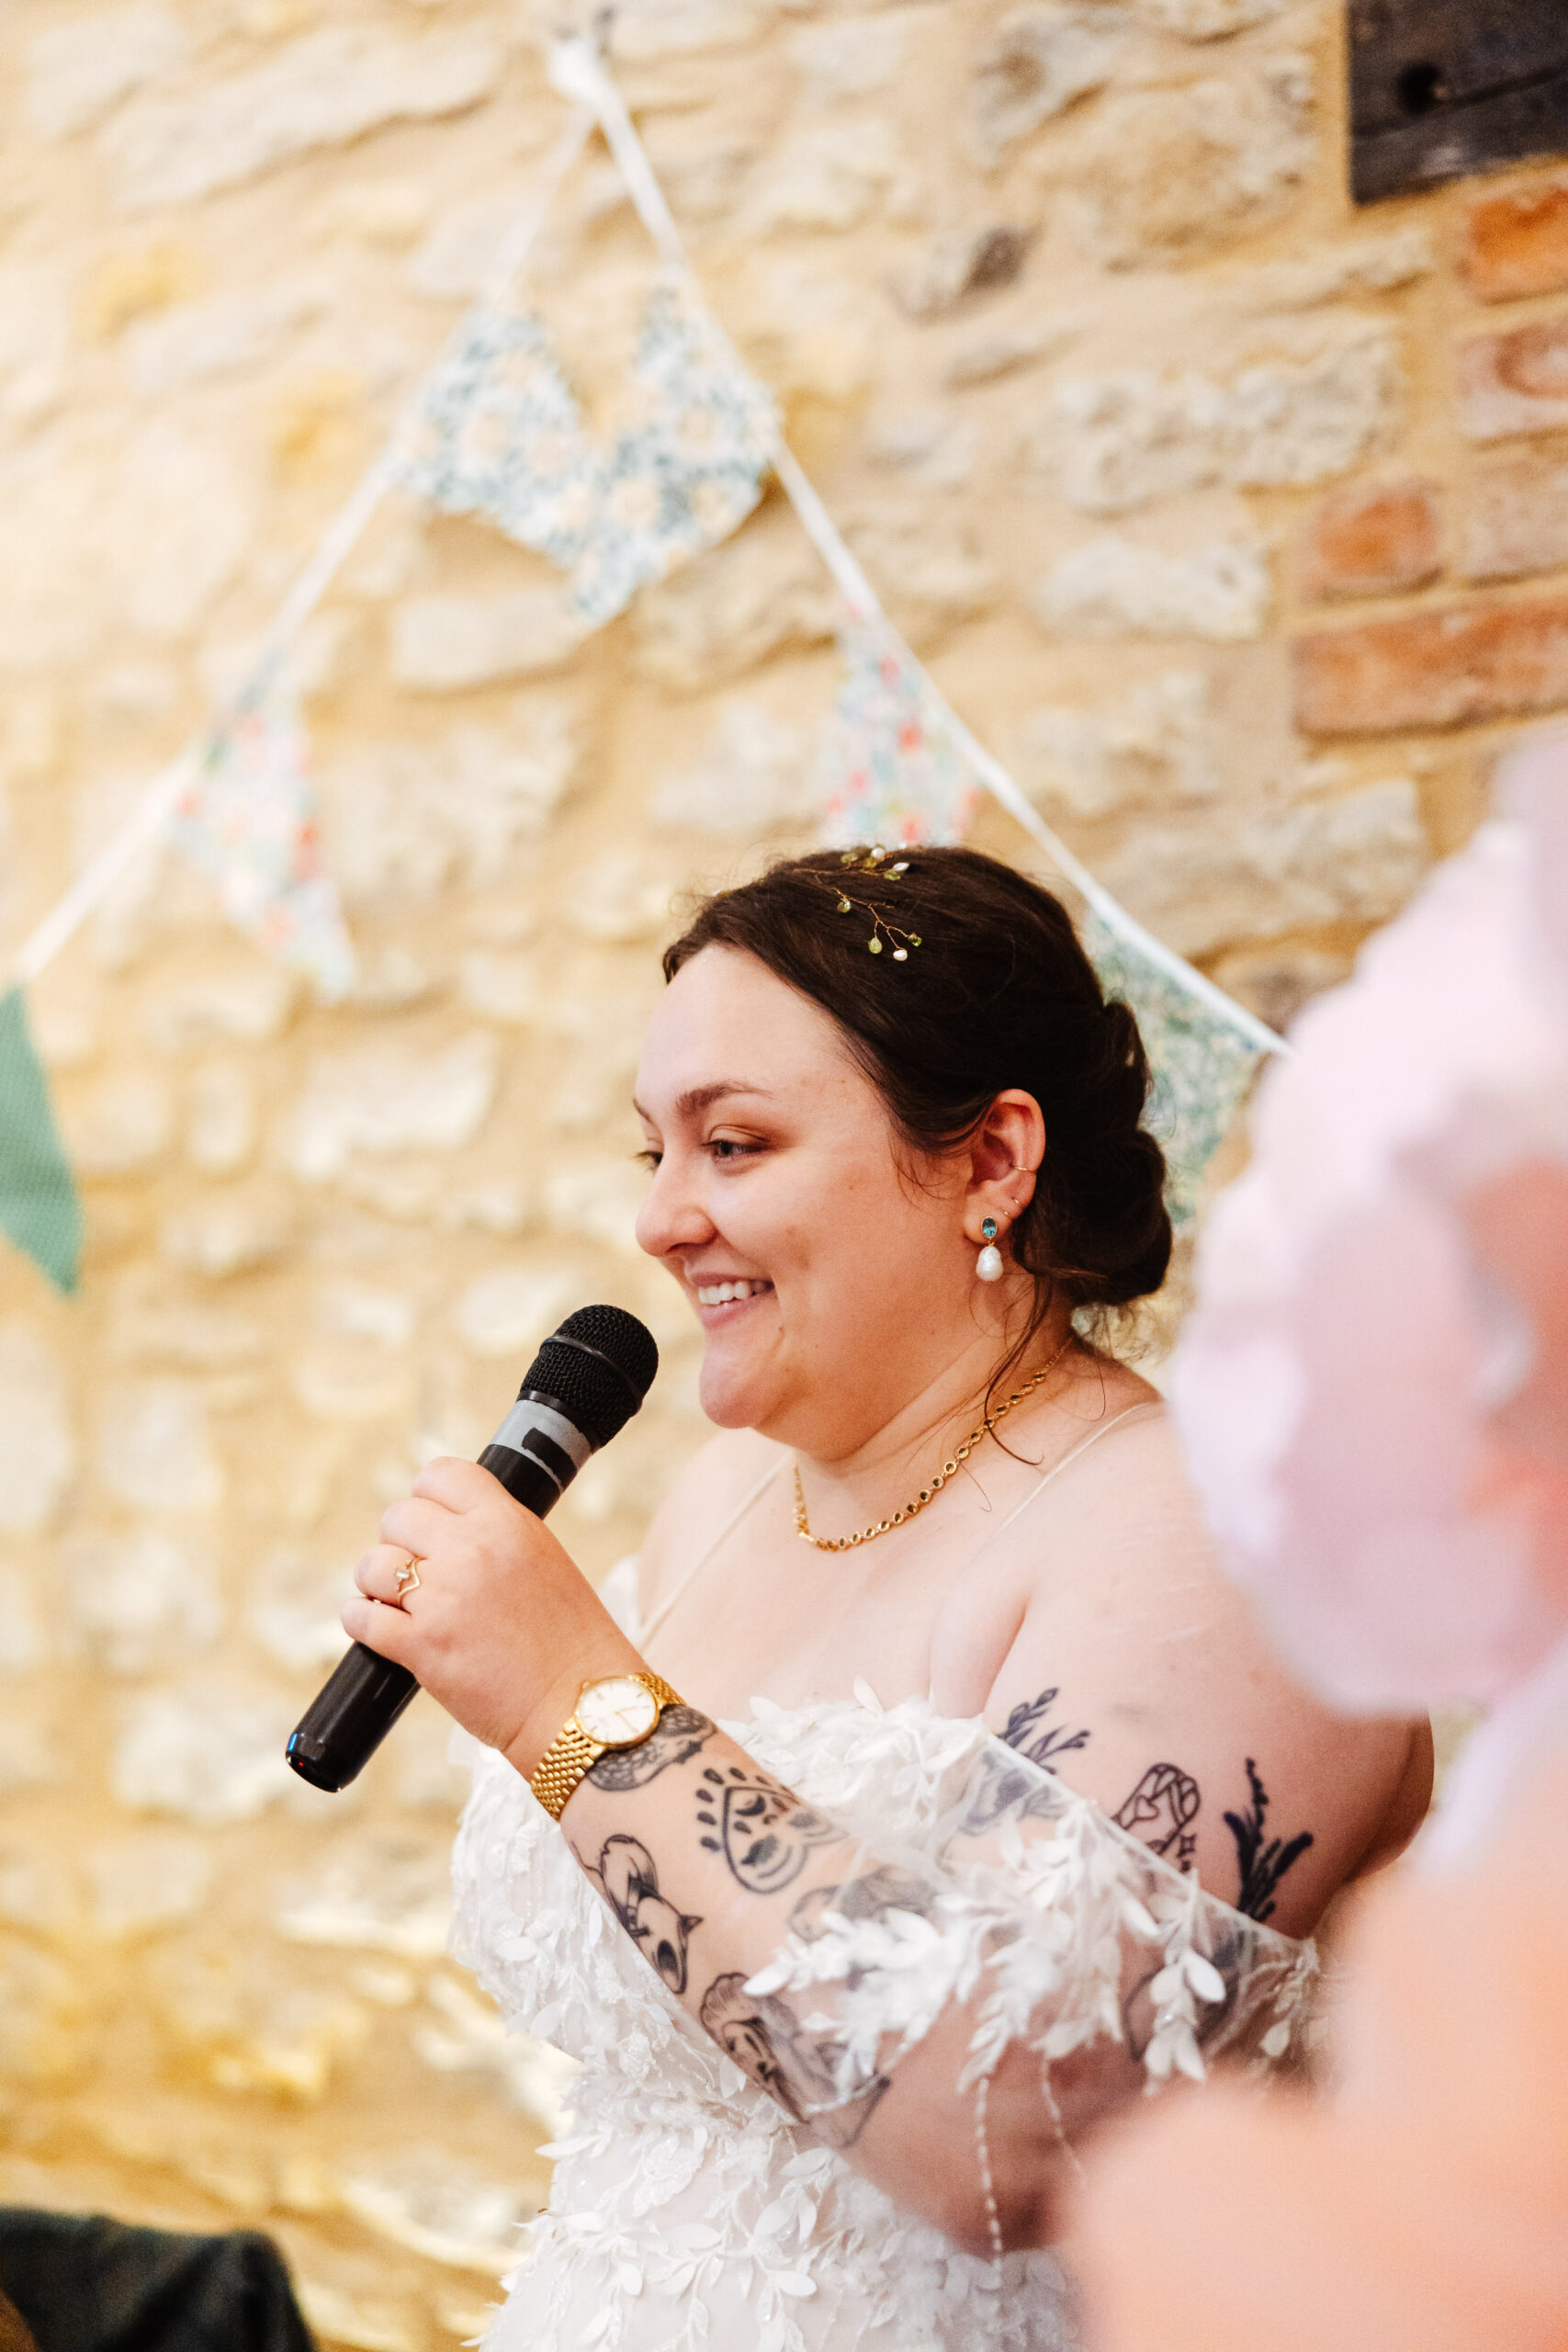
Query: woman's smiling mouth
{"points": [[729, 1293]]}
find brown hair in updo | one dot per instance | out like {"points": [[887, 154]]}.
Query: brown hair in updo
{"points": [[998, 993]]}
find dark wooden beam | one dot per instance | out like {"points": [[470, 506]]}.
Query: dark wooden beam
{"points": [[1442, 87]]}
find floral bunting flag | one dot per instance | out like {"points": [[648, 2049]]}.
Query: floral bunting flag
{"points": [[1202, 1064], [249, 819], [501, 433], [39, 1207], [888, 768], [687, 464]]}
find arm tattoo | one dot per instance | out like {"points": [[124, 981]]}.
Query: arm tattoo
{"points": [[763, 1833], [1001, 1787], [1024, 1732], [765, 2037], [1262, 1866], [871, 1896], [1161, 1811], [675, 1739], [627, 1877]]}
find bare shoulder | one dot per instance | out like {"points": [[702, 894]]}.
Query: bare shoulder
{"points": [[1118, 1506], [1129, 1459], [705, 1496], [1146, 1678]]}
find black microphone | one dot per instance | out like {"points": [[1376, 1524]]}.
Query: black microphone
{"points": [[585, 1384]]}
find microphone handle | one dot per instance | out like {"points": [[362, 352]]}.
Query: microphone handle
{"points": [[365, 1693]]}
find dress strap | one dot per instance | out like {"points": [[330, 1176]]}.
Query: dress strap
{"points": [[1102, 1428], [700, 1563]]}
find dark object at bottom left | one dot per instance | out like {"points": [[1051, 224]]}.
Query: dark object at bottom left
{"points": [[82, 2283]]}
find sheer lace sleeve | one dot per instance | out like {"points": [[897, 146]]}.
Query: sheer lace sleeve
{"points": [[1053, 1929]]}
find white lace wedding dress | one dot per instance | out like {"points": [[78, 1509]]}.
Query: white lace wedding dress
{"points": [[687, 2211]]}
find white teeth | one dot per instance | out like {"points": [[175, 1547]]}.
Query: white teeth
{"points": [[720, 1293]]}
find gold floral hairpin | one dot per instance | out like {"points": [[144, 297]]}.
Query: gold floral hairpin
{"points": [[882, 933]]}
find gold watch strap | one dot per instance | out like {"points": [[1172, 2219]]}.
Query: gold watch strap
{"points": [[571, 1755]]}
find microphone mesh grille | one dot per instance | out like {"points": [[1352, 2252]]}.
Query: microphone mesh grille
{"points": [[600, 1397]]}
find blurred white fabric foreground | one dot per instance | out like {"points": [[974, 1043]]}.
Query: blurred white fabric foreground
{"points": [[1372, 1389]]}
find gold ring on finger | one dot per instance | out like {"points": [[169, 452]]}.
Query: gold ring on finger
{"points": [[407, 1581]]}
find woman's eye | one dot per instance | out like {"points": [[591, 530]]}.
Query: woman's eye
{"points": [[649, 1157], [726, 1148]]}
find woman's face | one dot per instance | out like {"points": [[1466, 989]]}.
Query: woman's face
{"points": [[829, 1286]]}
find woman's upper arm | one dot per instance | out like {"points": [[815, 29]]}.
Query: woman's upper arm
{"points": [[1142, 1677]]}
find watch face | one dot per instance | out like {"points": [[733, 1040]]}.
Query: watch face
{"points": [[619, 1711]]}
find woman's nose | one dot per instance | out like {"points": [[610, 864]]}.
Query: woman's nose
{"points": [[672, 1215]]}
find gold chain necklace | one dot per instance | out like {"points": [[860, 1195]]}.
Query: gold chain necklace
{"points": [[949, 1470]]}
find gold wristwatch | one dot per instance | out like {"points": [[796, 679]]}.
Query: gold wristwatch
{"points": [[617, 1711]]}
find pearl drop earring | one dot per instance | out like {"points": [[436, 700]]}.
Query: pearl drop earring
{"points": [[988, 1264]]}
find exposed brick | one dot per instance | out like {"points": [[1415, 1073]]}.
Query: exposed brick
{"points": [[1515, 382], [1440, 669], [1517, 518], [1516, 242], [1371, 540]]}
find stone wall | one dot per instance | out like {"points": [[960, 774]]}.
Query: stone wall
{"points": [[1235, 521]]}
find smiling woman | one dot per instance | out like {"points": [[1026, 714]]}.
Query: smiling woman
{"points": [[983, 1806], [996, 1016]]}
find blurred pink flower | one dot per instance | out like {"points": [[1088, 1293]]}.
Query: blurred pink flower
{"points": [[1372, 1389]]}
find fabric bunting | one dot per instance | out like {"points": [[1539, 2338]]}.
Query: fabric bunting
{"points": [[39, 1207], [501, 433], [890, 771], [249, 820], [888, 768], [687, 466], [1202, 1064], [497, 430]]}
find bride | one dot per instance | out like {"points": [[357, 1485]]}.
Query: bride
{"points": [[930, 1792]]}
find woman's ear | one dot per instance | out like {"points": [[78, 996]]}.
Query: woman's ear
{"points": [[1005, 1153]]}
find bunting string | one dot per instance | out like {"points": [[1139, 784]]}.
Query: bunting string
{"points": [[239, 797], [899, 764], [494, 428], [578, 70], [164, 795]]}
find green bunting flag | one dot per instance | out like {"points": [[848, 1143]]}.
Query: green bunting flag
{"points": [[39, 1207], [1203, 1065]]}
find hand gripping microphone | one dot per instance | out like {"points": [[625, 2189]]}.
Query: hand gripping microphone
{"points": [[583, 1385]]}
